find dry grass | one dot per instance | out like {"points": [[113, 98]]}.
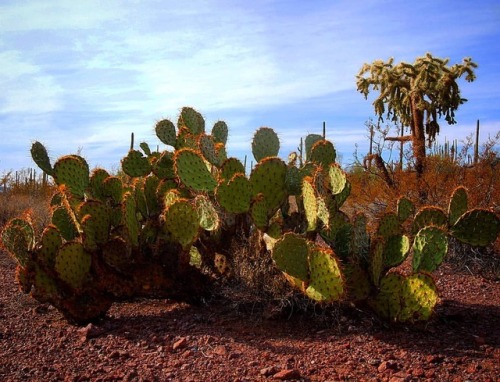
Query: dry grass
{"points": [[35, 205]]}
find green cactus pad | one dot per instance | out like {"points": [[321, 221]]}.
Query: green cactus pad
{"points": [[477, 227], [323, 153], [208, 217], [220, 151], [377, 260], [50, 242], [135, 164], [388, 225], [207, 147], [310, 203], [186, 140], [268, 177], [145, 148], [265, 144], [45, 287], [326, 283], [293, 181], [405, 209], [163, 167], [360, 244], [101, 219], [129, 216], [191, 120], [165, 131], [427, 216], [310, 140], [220, 132], [150, 186], [337, 178], [41, 158], [235, 196], [117, 254], [229, 168], [387, 302], [458, 205], [96, 183], [182, 222], [358, 285], [64, 220], [396, 250], [323, 211], [73, 172], [259, 211], [419, 295], [113, 188], [18, 239], [290, 255], [73, 264], [430, 247], [192, 170]]}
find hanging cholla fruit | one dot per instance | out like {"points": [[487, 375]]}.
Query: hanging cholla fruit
{"points": [[323, 153], [429, 216], [73, 264], [458, 205], [259, 211], [113, 188], [220, 132], [18, 239], [265, 144], [96, 183], [290, 255], [49, 244], [182, 222], [336, 179], [310, 140], [191, 120], [268, 177], [41, 158], [163, 167], [310, 203], [73, 172], [387, 302], [389, 225], [477, 227], [419, 296], [229, 168], [207, 214], [65, 222], [129, 216], [192, 170], [135, 164], [234, 196], [405, 209], [165, 131], [396, 250], [430, 247], [326, 283]]}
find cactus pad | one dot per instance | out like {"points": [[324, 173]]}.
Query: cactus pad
{"points": [[419, 295], [163, 167], [388, 225], [388, 302], [135, 164], [230, 167], [290, 255], [191, 120], [310, 140], [73, 264], [18, 239], [96, 183], [430, 247], [458, 205], [310, 203], [268, 178], [265, 144], [259, 211], [41, 158], [50, 242], [326, 283], [235, 196], [73, 172], [396, 250], [337, 179], [405, 208], [220, 132], [129, 216], [207, 147], [192, 170], [323, 153], [208, 217], [63, 219], [182, 222], [165, 131], [429, 216], [477, 227]]}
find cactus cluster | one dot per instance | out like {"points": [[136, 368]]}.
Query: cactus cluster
{"points": [[167, 227]]}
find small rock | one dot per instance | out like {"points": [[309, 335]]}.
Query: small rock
{"points": [[267, 371], [386, 365], [220, 350], [180, 344], [288, 374]]}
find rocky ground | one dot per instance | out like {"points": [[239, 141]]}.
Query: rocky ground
{"points": [[223, 341]]}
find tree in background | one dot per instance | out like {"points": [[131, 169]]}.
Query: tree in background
{"points": [[416, 96]]}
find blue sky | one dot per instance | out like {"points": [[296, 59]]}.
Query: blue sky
{"points": [[83, 75]]}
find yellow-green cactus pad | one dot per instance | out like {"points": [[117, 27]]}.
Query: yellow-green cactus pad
{"points": [[73, 172], [265, 144], [478, 227], [182, 222], [192, 170], [326, 283], [73, 264], [430, 247], [290, 255], [235, 196]]}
